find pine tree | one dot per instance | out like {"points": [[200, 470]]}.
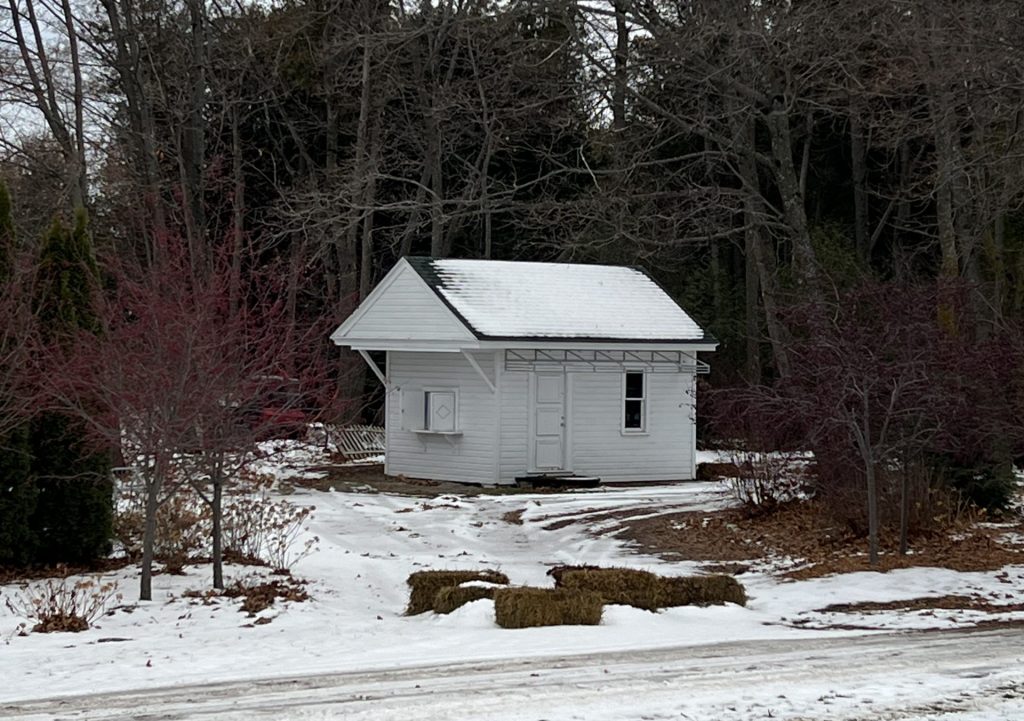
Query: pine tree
{"points": [[17, 499], [17, 487], [74, 513]]}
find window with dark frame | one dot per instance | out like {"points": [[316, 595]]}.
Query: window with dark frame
{"points": [[634, 403]]}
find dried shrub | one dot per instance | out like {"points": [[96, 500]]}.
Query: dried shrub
{"points": [[763, 480], [933, 504], [64, 605], [262, 530], [129, 525], [622, 586], [529, 607], [424, 585], [182, 529], [257, 528], [702, 591], [454, 597]]}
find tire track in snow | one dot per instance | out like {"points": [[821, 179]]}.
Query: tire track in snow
{"points": [[885, 676]]}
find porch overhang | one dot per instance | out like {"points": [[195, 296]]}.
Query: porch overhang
{"points": [[603, 360]]}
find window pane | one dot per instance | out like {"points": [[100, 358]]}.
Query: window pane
{"points": [[634, 385], [634, 415]]}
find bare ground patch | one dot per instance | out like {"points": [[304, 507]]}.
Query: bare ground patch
{"points": [[370, 478], [12, 574], [800, 542], [931, 603]]}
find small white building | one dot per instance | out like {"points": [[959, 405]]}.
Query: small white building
{"points": [[498, 370]]}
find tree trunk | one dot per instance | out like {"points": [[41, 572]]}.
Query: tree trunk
{"points": [[438, 243], [153, 488], [130, 64], [751, 289], [366, 261], [872, 489], [858, 157], [217, 511], [237, 215], [757, 252], [804, 260], [944, 203], [904, 509], [413, 222], [621, 60], [361, 213], [998, 262], [193, 145], [81, 183]]}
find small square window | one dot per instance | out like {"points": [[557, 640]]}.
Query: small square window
{"points": [[634, 403]]}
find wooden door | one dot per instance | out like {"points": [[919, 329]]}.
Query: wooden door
{"points": [[547, 409]]}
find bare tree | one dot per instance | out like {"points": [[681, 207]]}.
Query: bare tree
{"points": [[52, 80]]}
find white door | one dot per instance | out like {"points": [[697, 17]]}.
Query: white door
{"points": [[547, 408]]}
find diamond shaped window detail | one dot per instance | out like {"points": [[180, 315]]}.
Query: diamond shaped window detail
{"points": [[441, 410]]}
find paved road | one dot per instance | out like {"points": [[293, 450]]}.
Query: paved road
{"points": [[969, 675]]}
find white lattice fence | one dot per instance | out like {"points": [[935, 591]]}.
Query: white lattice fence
{"points": [[358, 442]]}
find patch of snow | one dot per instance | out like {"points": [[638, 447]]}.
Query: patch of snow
{"points": [[370, 543], [562, 300]]}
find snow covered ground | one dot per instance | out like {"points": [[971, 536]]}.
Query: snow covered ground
{"points": [[909, 677], [370, 542]]}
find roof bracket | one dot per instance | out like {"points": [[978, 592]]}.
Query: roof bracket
{"points": [[479, 370], [375, 368]]}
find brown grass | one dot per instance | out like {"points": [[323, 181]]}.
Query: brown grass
{"points": [[424, 586], [514, 518], [453, 597], [529, 607], [622, 586], [805, 531], [947, 603], [729, 569]]}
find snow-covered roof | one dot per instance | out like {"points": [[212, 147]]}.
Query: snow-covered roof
{"points": [[499, 299]]}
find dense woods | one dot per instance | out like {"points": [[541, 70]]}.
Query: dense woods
{"points": [[797, 174]]}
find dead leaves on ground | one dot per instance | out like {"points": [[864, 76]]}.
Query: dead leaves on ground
{"points": [[256, 595], [800, 542]]}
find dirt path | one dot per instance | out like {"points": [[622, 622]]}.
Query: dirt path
{"points": [[975, 676]]}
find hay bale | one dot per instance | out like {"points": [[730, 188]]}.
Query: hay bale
{"points": [[526, 607], [424, 585], [623, 586], [453, 597], [702, 591], [556, 572]]}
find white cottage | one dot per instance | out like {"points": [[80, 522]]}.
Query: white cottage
{"points": [[499, 370]]}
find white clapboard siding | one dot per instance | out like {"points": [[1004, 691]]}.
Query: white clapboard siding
{"points": [[599, 447], [514, 452], [467, 458], [403, 309]]}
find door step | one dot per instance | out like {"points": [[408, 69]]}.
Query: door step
{"points": [[557, 480]]}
